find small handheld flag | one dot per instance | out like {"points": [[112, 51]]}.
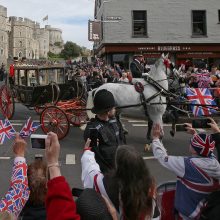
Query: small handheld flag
{"points": [[6, 130], [29, 128]]}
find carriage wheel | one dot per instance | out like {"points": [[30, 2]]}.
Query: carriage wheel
{"points": [[54, 119], [78, 117], [7, 104]]}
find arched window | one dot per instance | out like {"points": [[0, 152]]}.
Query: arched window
{"points": [[20, 43], [20, 54]]}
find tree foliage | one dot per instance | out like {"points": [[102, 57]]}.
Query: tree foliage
{"points": [[71, 50]]}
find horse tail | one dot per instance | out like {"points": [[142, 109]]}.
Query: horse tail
{"points": [[89, 104]]}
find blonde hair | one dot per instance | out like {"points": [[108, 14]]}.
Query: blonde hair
{"points": [[6, 216]]}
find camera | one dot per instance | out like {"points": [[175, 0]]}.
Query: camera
{"points": [[93, 135], [38, 141], [201, 123], [180, 127]]}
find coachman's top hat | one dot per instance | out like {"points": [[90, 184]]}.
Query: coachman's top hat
{"points": [[103, 101]]}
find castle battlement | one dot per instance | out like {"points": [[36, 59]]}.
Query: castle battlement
{"points": [[23, 21], [3, 11], [25, 37]]}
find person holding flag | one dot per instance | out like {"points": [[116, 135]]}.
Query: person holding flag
{"points": [[18, 193], [197, 175]]}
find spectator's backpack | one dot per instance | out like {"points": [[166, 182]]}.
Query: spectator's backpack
{"points": [[212, 209]]}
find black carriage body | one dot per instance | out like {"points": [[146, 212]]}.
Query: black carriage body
{"points": [[34, 85]]}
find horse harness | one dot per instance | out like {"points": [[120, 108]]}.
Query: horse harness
{"points": [[139, 87]]}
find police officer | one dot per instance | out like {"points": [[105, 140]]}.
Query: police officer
{"points": [[107, 130]]}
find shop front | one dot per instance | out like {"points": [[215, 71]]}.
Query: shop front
{"points": [[178, 53]]}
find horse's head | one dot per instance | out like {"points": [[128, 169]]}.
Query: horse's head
{"points": [[163, 62], [163, 65]]}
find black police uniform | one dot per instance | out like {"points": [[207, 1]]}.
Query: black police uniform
{"points": [[109, 132], [109, 140]]}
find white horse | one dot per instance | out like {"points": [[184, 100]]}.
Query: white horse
{"points": [[125, 94]]}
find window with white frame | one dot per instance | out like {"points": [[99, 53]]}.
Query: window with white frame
{"points": [[199, 27], [139, 23]]}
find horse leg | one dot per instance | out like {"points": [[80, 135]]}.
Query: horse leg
{"points": [[174, 119], [150, 126]]}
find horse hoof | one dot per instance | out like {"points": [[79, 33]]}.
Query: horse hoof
{"points": [[125, 131], [147, 148], [172, 133]]}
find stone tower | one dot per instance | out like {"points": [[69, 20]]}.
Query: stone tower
{"points": [[56, 41], [4, 34], [22, 42]]}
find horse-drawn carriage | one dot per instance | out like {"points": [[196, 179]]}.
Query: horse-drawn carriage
{"points": [[47, 90]]}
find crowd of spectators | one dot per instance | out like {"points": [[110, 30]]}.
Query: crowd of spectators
{"points": [[117, 182]]}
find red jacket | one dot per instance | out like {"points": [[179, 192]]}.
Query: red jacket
{"points": [[59, 201], [12, 70]]}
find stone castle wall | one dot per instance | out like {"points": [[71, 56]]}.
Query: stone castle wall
{"points": [[22, 37], [3, 35]]}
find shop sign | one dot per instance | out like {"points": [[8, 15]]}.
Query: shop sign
{"points": [[94, 30], [113, 18], [168, 48]]}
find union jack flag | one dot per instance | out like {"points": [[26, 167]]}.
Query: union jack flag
{"points": [[6, 130], [201, 96], [203, 144], [29, 128]]}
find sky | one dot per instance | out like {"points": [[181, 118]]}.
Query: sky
{"points": [[69, 15]]}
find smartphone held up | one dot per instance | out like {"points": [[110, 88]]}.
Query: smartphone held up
{"points": [[201, 123], [180, 127], [93, 135]]}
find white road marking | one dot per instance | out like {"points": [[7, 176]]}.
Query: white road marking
{"points": [[145, 125], [16, 123], [139, 125], [70, 159], [149, 158], [137, 121], [5, 158]]}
